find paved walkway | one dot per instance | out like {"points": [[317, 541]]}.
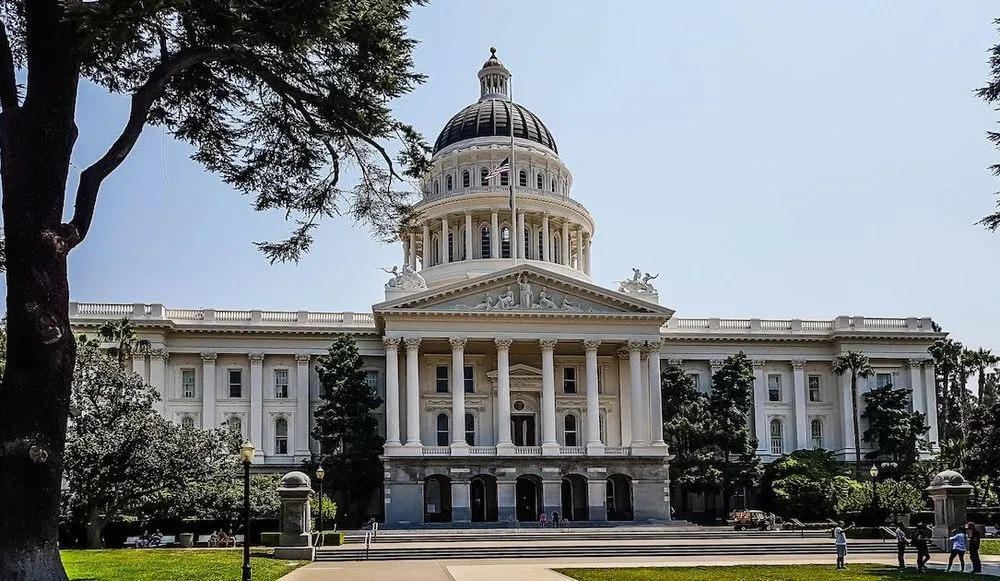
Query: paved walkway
{"points": [[539, 570]]}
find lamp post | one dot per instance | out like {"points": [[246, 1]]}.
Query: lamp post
{"points": [[874, 472], [320, 473], [246, 454]]}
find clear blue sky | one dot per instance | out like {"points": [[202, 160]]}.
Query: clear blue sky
{"points": [[768, 159]]}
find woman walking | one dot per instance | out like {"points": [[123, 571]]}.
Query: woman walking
{"points": [[957, 549]]}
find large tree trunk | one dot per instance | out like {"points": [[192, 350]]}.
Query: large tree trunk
{"points": [[35, 145], [946, 406], [95, 528], [725, 486]]}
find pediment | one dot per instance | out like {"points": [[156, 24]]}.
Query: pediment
{"points": [[519, 370], [523, 290]]}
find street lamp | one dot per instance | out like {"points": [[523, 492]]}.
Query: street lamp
{"points": [[874, 472], [320, 473], [246, 455]]}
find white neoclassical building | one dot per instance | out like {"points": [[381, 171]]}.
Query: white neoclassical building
{"points": [[512, 382]]}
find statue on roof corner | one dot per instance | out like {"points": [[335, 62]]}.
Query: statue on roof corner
{"points": [[638, 284], [407, 279]]}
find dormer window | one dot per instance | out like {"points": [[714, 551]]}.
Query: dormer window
{"points": [[522, 179], [483, 180], [539, 181], [465, 179], [449, 183], [435, 187]]}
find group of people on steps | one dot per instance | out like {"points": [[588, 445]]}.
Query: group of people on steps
{"points": [[961, 541]]}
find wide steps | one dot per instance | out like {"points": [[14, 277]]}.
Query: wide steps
{"points": [[528, 535]]}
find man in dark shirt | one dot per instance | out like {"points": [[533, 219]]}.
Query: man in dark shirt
{"points": [[921, 540], [975, 538]]}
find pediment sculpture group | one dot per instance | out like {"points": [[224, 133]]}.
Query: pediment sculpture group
{"points": [[639, 283], [524, 299], [407, 279]]}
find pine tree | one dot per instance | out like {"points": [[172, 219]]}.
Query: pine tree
{"points": [[894, 430], [686, 427], [347, 430], [730, 404]]}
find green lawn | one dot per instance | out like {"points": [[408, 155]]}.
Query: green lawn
{"points": [[170, 565], [990, 547], [755, 573]]}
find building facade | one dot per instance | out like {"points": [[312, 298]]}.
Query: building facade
{"points": [[513, 384]]}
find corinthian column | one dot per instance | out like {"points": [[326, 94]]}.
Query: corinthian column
{"points": [[208, 391], [504, 443], [594, 445], [458, 444], [391, 391], [550, 447], [302, 406], [655, 397], [412, 392], [638, 400]]}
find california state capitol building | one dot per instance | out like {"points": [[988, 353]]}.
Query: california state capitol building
{"points": [[513, 383]]}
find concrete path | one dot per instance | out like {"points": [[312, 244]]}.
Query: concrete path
{"points": [[540, 570]]}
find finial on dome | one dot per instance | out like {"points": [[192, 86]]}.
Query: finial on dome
{"points": [[493, 51], [494, 78]]}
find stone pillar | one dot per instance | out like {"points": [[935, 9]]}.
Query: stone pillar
{"points": [[139, 364], [208, 420], [426, 250], [444, 240], [546, 242], [916, 392], [391, 391], [459, 447], [505, 446], [597, 483], [930, 396], [550, 447], [551, 493], [494, 234], [257, 402], [594, 445], [565, 243], [847, 415], [461, 510], [585, 243], [655, 396], [412, 392], [624, 397], [759, 401], [799, 397], [950, 493], [294, 520], [636, 395], [468, 236], [522, 251], [506, 497], [406, 249], [158, 359], [413, 251], [302, 412]]}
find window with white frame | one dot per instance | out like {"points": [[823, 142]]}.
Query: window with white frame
{"points": [[522, 179], [187, 382], [603, 428], [541, 245], [449, 182], [465, 179], [371, 379], [235, 383], [883, 379], [469, 379], [816, 431], [570, 430], [815, 395], [527, 242], [504, 179], [451, 248], [441, 379], [442, 429], [569, 379], [695, 380], [483, 180], [556, 250], [187, 422], [470, 429], [484, 242], [281, 436], [553, 184], [281, 383], [235, 424], [539, 180], [773, 387], [777, 441], [435, 186]]}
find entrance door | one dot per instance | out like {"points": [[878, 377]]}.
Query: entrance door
{"points": [[529, 498], [523, 430]]}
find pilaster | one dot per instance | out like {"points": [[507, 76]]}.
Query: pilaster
{"points": [[208, 419], [759, 401], [257, 402], [302, 415], [799, 398]]}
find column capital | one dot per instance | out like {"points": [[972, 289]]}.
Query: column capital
{"points": [[457, 342], [591, 344], [798, 364], [503, 343], [208, 356], [634, 346], [622, 353], [758, 363], [302, 357], [412, 343], [159, 354], [468, 213], [547, 344], [716, 364], [256, 357], [675, 362], [929, 363], [915, 362], [391, 342]]}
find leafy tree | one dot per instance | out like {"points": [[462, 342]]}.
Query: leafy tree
{"points": [[219, 498], [946, 354], [806, 484], [687, 425], [730, 404], [893, 496], [121, 454], [991, 95], [893, 430], [281, 99], [858, 365], [347, 430], [983, 454], [982, 359], [124, 340]]}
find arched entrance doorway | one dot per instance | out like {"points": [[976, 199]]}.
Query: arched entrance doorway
{"points": [[483, 498], [574, 497], [528, 490], [437, 498], [619, 497]]}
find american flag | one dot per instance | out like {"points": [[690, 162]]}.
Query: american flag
{"points": [[504, 166]]}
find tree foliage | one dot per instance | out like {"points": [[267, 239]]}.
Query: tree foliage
{"points": [[893, 496], [983, 451], [858, 366], [990, 93], [347, 430], [124, 342], [687, 428], [947, 354], [730, 405], [806, 484], [894, 430]]}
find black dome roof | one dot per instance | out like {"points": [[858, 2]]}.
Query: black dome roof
{"points": [[491, 118]]}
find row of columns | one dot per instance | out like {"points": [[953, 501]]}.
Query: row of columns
{"points": [[550, 446], [579, 239]]}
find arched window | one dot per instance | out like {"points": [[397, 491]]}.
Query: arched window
{"points": [[483, 180], [449, 182], [281, 436], [484, 242], [505, 242], [435, 186], [187, 422], [556, 250], [777, 441], [504, 179], [522, 178], [435, 250], [465, 179], [553, 184], [527, 243], [470, 429], [541, 244], [539, 180], [235, 425], [461, 244], [569, 430], [442, 430], [816, 430], [451, 248]]}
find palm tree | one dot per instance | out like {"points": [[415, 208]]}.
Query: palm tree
{"points": [[124, 339], [858, 365], [981, 359], [946, 353]]}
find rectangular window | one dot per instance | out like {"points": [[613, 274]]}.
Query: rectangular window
{"points": [[773, 388], [235, 383], [441, 379], [187, 382], [603, 427], [569, 380], [371, 379], [883, 379], [281, 383], [695, 380], [814, 389], [817, 434], [470, 383]]}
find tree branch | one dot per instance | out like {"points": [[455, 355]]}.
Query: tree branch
{"points": [[8, 85], [142, 100]]}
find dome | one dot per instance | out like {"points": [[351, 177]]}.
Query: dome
{"points": [[491, 118]]}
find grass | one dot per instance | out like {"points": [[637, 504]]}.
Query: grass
{"points": [[169, 565], [990, 547], [858, 572]]}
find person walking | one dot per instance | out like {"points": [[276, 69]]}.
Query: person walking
{"points": [[901, 542], [543, 519], [840, 540], [957, 549], [975, 538], [921, 540]]}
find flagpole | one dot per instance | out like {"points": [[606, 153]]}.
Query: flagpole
{"points": [[519, 236]]}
